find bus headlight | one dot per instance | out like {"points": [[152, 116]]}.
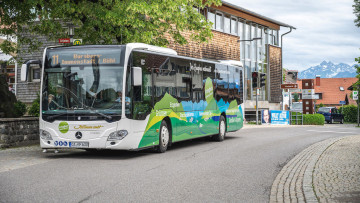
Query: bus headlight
{"points": [[45, 135], [117, 135]]}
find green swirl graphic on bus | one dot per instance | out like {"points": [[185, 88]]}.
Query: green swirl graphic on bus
{"points": [[63, 127]]}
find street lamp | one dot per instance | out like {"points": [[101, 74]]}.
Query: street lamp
{"points": [[71, 32]]}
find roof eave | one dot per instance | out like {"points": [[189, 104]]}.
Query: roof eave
{"points": [[258, 15]]}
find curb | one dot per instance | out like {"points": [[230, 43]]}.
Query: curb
{"points": [[294, 183]]}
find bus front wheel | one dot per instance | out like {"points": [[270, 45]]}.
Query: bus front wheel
{"points": [[222, 130], [164, 137]]}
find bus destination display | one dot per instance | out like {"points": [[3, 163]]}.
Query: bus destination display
{"points": [[101, 57]]}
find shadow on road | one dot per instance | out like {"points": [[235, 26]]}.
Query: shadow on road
{"points": [[123, 154]]}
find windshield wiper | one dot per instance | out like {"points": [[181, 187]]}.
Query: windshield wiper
{"points": [[71, 74], [103, 115]]}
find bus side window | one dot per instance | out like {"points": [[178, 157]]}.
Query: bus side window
{"points": [[209, 72], [237, 85], [164, 79], [197, 86], [241, 86], [232, 92], [222, 83], [183, 79]]}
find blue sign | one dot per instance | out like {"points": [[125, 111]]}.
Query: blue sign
{"points": [[65, 143], [61, 143], [343, 102], [280, 117], [56, 143]]}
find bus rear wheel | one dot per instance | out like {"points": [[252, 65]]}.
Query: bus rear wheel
{"points": [[164, 137], [222, 130]]}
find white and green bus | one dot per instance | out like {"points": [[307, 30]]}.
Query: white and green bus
{"points": [[135, 96]]}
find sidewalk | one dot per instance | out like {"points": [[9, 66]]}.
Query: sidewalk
{"points": [[328, 171]]}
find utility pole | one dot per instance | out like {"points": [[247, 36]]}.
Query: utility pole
{"points": [[257, 111]]}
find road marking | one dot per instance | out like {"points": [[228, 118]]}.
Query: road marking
{"points": [[321, 131]]}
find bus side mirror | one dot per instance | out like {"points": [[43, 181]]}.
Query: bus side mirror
{"points": [[137, 76], [25, 68]]}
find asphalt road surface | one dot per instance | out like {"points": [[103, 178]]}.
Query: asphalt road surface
{"points": [[242, 169]]}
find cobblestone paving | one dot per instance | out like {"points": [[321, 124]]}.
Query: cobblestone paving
{"points": [[328, 171], [336, 176]]}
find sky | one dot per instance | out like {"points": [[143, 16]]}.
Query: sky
{"points": [[325, 30]]}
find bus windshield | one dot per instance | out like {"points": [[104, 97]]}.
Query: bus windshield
{"points": [[82, 84]]}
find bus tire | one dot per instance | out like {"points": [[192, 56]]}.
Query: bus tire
{"points": [[222, 130], [164, 137]]}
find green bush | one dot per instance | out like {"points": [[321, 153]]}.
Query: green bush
{"points": [[19, 109], [350, 113], [34, 110], [314, 119]]}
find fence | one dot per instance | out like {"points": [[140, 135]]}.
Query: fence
{"points": [[296, 118]]}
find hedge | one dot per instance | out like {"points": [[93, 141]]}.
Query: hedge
{"points": [[350, 113], [314, 119], [19, 109]]}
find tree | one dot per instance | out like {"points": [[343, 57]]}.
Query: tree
{"points": [[357, 84], [103, 21], [357, 12], [296, 97]]}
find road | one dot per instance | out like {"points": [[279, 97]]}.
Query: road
{"points": [[242, 169]]}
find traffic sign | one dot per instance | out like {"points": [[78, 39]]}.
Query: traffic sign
{"points": [[355, 95], [77, 42], [343, 102], [289, 86], [64, 40]]}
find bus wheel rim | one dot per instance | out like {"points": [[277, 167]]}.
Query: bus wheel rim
{"points": [[222, 128], [164, 136]]}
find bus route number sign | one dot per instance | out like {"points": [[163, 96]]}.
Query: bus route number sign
{"points": [[77, 42]]}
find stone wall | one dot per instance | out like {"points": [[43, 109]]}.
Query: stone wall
{"points": [[19, 131]]}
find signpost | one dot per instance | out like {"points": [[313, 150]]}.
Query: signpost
{"points": [[289, 86], [64, 40], [355, 95]]}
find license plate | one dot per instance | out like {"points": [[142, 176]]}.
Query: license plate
{"points": [[78, 144]]}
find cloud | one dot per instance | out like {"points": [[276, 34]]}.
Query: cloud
{"points": [[325, 30]]}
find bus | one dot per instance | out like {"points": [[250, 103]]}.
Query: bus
{"points": [[134, 96]]}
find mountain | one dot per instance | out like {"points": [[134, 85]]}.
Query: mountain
{"points": [[329, 70]]}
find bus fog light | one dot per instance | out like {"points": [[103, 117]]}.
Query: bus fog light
{"points": [[117, 135], [45, 135]]}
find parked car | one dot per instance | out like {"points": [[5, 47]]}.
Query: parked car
{"points": [[331, 114]]}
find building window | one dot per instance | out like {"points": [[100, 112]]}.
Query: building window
{"points": [[234, 28], [226, 24], [211, 18], [341, 88], [219, 21], [35, 73]]}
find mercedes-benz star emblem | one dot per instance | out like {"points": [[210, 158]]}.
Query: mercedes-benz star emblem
{"points": [[78, 135]]}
